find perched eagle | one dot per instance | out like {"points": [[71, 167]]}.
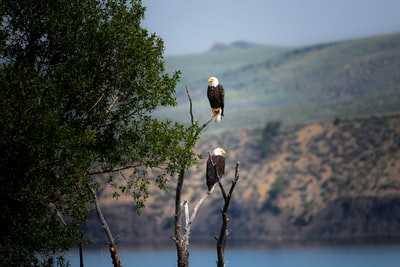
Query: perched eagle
{"points": [[216, 94], [215, 168]]}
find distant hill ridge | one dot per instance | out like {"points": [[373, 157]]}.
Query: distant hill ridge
{"points": [[237, 44], [293, 84]]}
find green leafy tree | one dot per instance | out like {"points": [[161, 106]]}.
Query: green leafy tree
{"points": [[79, 80]]}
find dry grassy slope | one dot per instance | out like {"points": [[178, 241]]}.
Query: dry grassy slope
{"points": [[309, 168], [321, 162]]}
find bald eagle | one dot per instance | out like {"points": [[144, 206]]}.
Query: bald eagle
{"points": [[216, 94], [215, 168]]}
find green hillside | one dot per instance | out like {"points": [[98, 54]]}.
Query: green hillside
{"points": [[296, 85]]}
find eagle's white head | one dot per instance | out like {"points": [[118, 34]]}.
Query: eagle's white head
{"points": [[213, 81], [219, 152]]}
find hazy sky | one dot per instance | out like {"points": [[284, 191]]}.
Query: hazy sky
{"points": [[193, 26]]}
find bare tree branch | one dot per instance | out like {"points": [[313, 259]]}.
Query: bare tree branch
{"points": [[115, 99], [60, 216], [207, 122], [191, 111], [222, 189], [111, 241], [196, 208], [190, 105], [118, 169], [190, 219], [97, 102]]}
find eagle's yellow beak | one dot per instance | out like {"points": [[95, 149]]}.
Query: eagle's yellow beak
{"points": [[210, 80], [223, 152]]}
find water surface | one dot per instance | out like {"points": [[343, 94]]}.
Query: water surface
{"points": [[298, 256]]}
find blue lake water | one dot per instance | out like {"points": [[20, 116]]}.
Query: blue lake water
{"points": [[298, 256]]}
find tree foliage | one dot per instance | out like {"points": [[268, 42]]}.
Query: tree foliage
{"points": [[79, 81]]}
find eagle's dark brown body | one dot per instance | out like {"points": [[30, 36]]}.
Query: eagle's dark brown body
{"points": [[215, 170], [216, 97]]}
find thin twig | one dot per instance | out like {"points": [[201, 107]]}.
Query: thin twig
{"points": [[191, 111], [196, 208], [236, 179], [61, 217], [126, 167], [97, 102], [207, 122], [190, 105], [115, 99], [111, 241]]}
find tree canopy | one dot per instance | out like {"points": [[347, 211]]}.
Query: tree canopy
{"points": [[79, 81]]}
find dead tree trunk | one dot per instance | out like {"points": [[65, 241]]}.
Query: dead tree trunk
{"points": [[111, 240], [224, 232], [181, 247], [182, 234]]}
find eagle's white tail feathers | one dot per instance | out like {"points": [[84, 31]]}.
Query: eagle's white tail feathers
{"points": [[218, 116]]}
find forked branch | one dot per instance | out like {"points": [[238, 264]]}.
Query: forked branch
{"points": [[189, 219], [224, 233]]}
